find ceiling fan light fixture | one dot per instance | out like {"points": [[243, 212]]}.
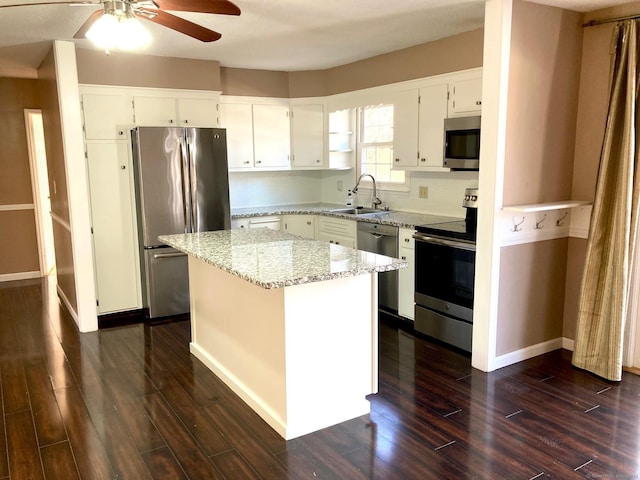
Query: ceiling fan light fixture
{"points": [[118, 28]]}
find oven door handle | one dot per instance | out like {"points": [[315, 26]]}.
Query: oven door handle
{"points": [[443, 241]]}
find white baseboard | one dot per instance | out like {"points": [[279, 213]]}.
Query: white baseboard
{"points": [[567, 343], [11, 277], [67, 304], [529, 352]]}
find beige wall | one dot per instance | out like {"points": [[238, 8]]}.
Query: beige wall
{"points": [[458, 52], [18, 238], [57, 179], [544, 75], [95, 67], [531, 297]]}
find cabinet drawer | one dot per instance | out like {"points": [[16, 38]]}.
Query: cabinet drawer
{"points": [[405, 238], [337, 226]]}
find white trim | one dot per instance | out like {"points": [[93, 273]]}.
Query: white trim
{"points": [[16, 207], [528, 352], [568, 343], [11, 277], [88, 88], [77, 184], [495, 85], [67, 304]]}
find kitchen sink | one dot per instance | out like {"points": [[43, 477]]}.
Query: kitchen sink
{"points": [[356, 211]]}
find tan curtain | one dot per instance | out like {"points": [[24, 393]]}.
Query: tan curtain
{"points": [[604, 295]]}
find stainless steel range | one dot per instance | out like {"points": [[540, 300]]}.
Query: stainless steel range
{"points": [[445, 274]]}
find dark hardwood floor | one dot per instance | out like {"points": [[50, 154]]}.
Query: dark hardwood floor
{"points": [[131, 403]]}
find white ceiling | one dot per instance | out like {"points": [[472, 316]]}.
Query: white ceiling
{"points": [[269, 34]]}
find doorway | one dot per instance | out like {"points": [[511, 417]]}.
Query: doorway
{"points": [[40, 188]]}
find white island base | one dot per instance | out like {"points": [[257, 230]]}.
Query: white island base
{"points": [[304, 357]]}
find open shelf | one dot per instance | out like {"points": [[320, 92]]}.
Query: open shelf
{"points": [[541, 207]]}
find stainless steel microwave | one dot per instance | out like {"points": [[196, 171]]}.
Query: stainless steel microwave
{"points": [[462, 143]]}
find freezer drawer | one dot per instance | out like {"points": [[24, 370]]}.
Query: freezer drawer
{"points": [[167, 282], [447, 329]]}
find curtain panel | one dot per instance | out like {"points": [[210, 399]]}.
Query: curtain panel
{"points": [[604, 295]]}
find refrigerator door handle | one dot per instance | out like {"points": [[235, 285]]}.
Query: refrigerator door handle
{"points": [[194, 182], [169, 255], [186, 197]]}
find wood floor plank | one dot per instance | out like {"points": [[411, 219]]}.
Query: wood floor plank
{"points": [[162, 464], [232, 465], [58, 462], [91, 458], [188, 453], [24, 455]]}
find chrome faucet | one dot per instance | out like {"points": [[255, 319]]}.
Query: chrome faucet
{"points": [[375, 201]]}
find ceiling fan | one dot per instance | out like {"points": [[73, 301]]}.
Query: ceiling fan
{"points": [[153, 11]]}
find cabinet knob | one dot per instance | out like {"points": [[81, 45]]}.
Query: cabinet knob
{"points": [[122, 167], [120, 132], [246, 163], [186, 121], [317, 161], [423, 159], [397, 159], [403, 257], [337, 243], [258, 161], [308, 223], [478, 102], [406, 240]]}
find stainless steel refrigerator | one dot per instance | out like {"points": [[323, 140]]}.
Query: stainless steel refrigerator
{"points": [[182, 186]]}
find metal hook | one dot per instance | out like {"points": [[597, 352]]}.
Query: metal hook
{"points": [[560, 221], [516, 226], [539, 223]]}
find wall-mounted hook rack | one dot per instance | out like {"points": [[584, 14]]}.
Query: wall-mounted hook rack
{"points": [[517, 226], [540, 222], [560, 221]]}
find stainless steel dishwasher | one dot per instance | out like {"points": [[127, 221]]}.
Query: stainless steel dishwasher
{"points": [[382, 239]]}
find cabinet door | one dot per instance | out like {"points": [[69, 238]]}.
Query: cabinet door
{"points": [[433, 111], [114, 232], [405, 128], [238, 120], [107, 117], [466, 96], [303, 225], [307, 134], [271, 136], [406, 284], [155, 111], [198, 112]]}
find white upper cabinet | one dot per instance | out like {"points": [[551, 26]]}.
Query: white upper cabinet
{"points": [[198, 112], [307, 136], [155, 111], [271, 136], [341, 139], [433, 111], [176, 111], [405, 128], [107, 117], [466, 97], [237, 118]]}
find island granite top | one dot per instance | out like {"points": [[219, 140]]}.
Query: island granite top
{"points": [[274, 259]]}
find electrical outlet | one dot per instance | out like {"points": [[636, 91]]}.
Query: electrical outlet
{"points": [[339, 185], [423, 192]]}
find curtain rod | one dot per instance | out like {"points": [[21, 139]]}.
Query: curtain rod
{"points": [[593, 23]]}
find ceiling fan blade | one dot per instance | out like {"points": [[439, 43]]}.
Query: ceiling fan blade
{"points": [[223, 7], [87, 25], [178, 24], [71, 3]]}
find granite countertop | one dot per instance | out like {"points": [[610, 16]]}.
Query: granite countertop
{"points": [[395, 218], [274, 259]]}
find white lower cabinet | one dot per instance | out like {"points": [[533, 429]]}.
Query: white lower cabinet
{"points": [[114, 228], [406, 276], [303, 225], [337, 230], [272, 222]]}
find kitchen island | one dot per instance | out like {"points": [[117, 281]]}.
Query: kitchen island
{"points": [[288, 323]]}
